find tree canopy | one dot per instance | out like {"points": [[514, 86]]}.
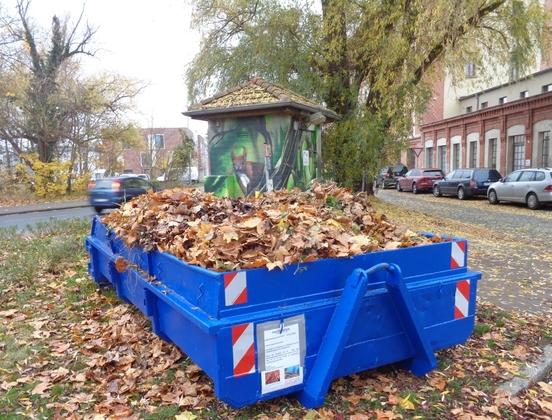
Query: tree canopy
{"points": [[370, 61], [47, 105]]}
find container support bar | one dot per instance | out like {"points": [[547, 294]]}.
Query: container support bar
{"points": [[341, 323]]}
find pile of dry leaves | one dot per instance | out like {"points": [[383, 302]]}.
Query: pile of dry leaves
{"points": [[272, 230]]}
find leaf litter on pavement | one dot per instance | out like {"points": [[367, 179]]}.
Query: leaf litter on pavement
{"points": [[517, 269], [68, 350]]}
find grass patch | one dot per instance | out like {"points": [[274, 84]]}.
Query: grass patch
{"points": [[89, 346], [49, 247], [481, 329]]}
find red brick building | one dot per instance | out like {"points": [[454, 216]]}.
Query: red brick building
{"points": [[506, 126], [506, 137], [160, 142]]}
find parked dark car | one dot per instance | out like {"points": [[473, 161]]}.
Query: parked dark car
{"points": [[418, 180], [387, 176], [106, 193], [465, 183]]}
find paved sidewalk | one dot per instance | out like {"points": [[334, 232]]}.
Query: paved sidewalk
{"points": [[32, 208], [509, 244]]}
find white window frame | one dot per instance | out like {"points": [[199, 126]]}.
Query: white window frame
{"points": [[470, 70], [152, 144], [142, 156]]}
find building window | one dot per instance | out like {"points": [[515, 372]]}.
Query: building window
{"points": [[514, 72], [442, 154], [469, 70], [484, 105], [411, 158], [145, 160], [455, 156], [429, 157], [492, 153], [469, 109], [156, 141], [473, 154], [524, 94], [544, 137], [519, 152], [502, 100], [547, 88]]}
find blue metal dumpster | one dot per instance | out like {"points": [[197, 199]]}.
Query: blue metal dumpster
{"points": [[260, 334]]}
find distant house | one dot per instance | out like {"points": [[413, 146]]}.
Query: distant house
{"points": [[159, 144]]}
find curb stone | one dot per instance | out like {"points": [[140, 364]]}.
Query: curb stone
{"points": [[531, 374], [14, 210]]}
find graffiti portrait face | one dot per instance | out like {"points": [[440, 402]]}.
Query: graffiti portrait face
{"points": [[238, 159]]}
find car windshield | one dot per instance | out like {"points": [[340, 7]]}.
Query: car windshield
{"points": [[482, 176], [433, 173]]}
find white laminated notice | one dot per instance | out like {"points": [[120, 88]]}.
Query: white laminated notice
{"points": [[283, 354], [306, 158]]}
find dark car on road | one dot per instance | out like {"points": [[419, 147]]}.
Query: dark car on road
{"points": [[106, 193], [387, 176], [465, 183], [418, 180]]}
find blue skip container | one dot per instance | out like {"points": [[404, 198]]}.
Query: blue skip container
{"points": [[261, 334]]}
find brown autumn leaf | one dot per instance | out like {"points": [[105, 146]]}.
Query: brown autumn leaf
{"points": [[359, 417], [547, 388], [545, 405], [271, 230], [438, 383], [7, 314], [121, 264], [41, 388], [250, 223]]}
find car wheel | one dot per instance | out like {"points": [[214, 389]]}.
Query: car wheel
{"points": [[461, 193], [436, 191], [493, 198], [414, 189], [399, 189], [98, 209], [532, 201]]}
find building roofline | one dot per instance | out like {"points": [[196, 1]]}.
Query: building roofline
{"points": [[281, 97], [492, 110], [211, 112], [529, 76]]}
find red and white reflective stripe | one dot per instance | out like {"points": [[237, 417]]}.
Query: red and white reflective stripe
{"points": [[235, 288], [458, 254], [243, 349], [462, 299]]}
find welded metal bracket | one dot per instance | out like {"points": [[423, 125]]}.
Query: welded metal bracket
{"points": [[342, 321]]}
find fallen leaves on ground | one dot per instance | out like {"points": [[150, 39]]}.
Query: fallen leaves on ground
{"points": [[272, 230], [70, 351]]}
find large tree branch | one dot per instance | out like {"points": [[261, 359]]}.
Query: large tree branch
{"points": [[451, 37], [22, 9]]}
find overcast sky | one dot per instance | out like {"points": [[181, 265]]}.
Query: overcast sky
{"points": [[146, 40]]}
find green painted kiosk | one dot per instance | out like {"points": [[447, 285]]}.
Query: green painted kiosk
{"points": [[261, 137]]}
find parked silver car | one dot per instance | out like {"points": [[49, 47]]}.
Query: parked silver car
{"points": [[530, 186]]}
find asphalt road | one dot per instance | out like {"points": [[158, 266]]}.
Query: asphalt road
{"points": [[508, 243], [21, 221]]}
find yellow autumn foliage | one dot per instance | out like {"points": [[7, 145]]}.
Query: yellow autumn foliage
{"points": [[80, 183], [45, 179]]}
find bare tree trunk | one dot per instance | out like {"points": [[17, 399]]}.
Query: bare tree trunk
{"points": [[338, 84], [8, 157]]}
